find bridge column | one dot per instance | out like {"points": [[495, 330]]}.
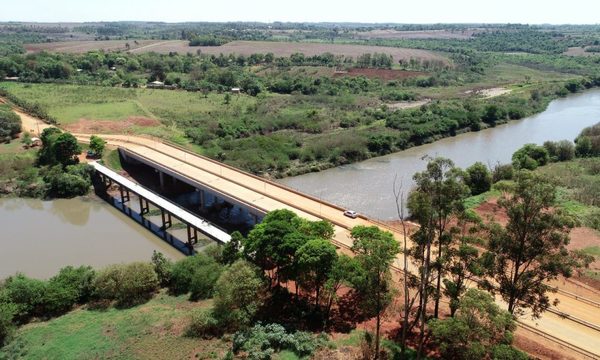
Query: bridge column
{"points": [[166, 219], [144, 208], [161, 177], [201, 196], [124, 194], [192, 234]]}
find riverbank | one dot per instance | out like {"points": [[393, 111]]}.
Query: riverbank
{"points": [[367, 186]]}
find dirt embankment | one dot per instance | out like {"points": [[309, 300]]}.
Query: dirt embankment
{"points": [[127, 126]]}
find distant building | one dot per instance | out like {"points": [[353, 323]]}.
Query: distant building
{"points": [[236, 90], [11, 78]]}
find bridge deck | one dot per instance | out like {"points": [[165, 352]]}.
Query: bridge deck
{"points": [[193, 220]]}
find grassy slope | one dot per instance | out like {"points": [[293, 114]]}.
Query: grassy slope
{"points": [[149, 331]]}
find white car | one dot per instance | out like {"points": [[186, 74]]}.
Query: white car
{"points": [[351, 214]]}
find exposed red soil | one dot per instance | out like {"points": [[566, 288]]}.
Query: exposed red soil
{"points": [[88, 126], [383, 74], [539, 347]]}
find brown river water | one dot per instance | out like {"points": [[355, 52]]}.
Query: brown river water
{"points": [[40, 237], [367, 186]]}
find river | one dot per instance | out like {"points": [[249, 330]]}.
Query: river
{"points": [[367, 186], [39, 237]]}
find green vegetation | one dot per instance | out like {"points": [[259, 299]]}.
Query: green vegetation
{"points": [[297, 114], [10, 124], [480, 329]]}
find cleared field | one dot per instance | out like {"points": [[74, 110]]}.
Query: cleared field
{"points": [[578, 51], [383, 74], [78, 47], [426, 34], [234, 47]]}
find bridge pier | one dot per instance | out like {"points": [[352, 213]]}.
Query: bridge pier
{"points": [[166, 220], [161, 177]]}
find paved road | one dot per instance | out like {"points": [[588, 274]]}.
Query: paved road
{"points": [[270, 196]]}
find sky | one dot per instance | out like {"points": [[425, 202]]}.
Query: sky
{"points": [[372, 11]]}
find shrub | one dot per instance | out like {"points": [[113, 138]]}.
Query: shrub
{"points": [[26, 294], [128, 284], [588, 142], [560, 151], [261, 341], [507, 352], [162, 267], [238, 295], [530, 156], [478, 325], [204, 325], [58, 298], [8, 311], [502, 172], [80, 279], [195, 274], [10, 123]]}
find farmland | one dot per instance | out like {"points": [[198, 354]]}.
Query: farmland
{"points": [[245, 48]]}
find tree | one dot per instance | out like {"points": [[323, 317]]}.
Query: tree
{"points": [[8, 311], [438, 195], [65, 149], [530, 156], [97, 145], [238, 295], [478, 327], [345, 271], [462, 262], [315, 261], [531, 249], [272, 244], [478, 178], [375, 251], [231, 250]]}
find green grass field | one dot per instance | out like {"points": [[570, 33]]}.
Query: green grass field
{"points": [[149, 331]]}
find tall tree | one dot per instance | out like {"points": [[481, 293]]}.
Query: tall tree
{"points": [[443, 189], [531, 249], [315, 261], [375, 251]]}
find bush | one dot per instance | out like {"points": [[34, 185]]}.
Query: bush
{"points": [[162, 267], [10, 123], [80, 279], [238, 295], [128, 284], [195, 274], [560, 151], [530, 156], [478, 178], [502, 172], [204, 325], [26, 294], [261, 341], [8, 311], [507, 352], [588, 142]]}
